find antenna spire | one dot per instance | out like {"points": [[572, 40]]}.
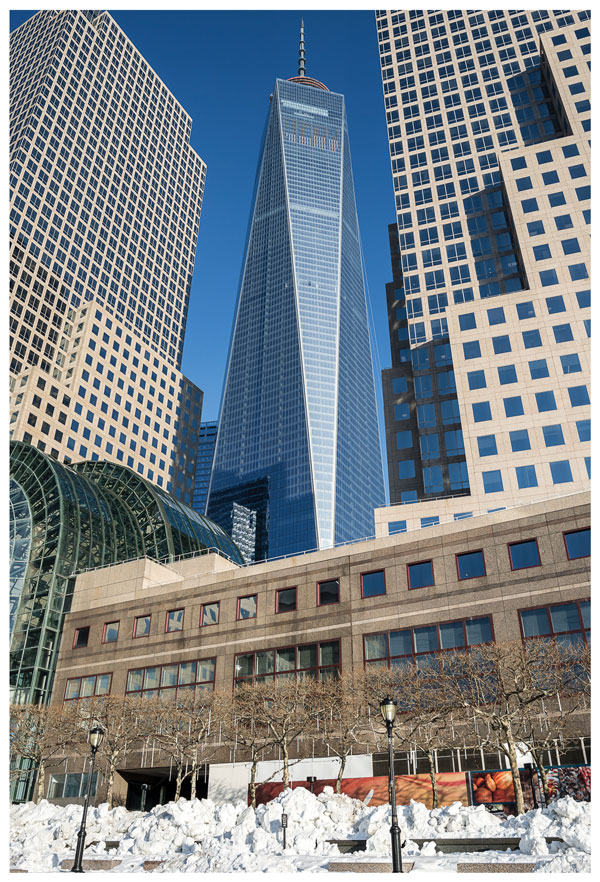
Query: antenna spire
{"points": [[301, 57]]}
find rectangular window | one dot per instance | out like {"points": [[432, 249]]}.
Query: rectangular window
{"points": [[507, 374], [492, 481], [470, 565], [526, 476], [487, 445], [87, 687], [524, 554], [172, 679], [513, 406], [328, 592], [81, 637], [420, 575], [553, 435], [578, 543], [285, 600], [246, 607], [569, 620], [319, 660], [373, 584], [396, 527], [545, 401], [141, 626], [174, 621], [111, 632], [538, 369], [209, 614], [519, 440], [561, 472], [394, 648]]}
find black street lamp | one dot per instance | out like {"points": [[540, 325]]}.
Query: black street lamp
{"points": [[311, 782], [388, 711], [145, 789], [95, 740]]}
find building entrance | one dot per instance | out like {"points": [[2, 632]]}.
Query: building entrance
{"points": [[156, 786]]}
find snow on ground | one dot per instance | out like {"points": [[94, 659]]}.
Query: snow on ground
{"points": [[199, 837]]}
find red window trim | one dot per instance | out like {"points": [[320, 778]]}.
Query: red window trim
{"points": [[106, 624], [210, 603], [212, 658], [82, 677], [168, 613], [237, 611], [370, 573], [553, 633], [296, 647], [135, 621], [283, 611], [473, 551], [76, 632], [412, 629], [521, 542], [565, 534], [324, 582], [414, 563]]}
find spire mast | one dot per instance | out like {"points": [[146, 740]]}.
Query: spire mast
{"points": [[301, 57]]}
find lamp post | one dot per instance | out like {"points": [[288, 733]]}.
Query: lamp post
{"points": [[311, 782], [145, 789], [388, 709], [95, 738]]}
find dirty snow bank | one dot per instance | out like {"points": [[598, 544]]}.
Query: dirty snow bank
{"points": [[199, 836]]}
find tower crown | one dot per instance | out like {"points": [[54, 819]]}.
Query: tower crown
{"points": [[302, 78]]}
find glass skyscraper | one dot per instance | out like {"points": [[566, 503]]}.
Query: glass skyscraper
{"points": [[298, 451]]}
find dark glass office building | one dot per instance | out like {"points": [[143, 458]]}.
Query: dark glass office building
{"points": [[298, 456]]}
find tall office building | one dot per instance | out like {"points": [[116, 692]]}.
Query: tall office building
{"points": [[487, 400], [105, 205], [207, 438], [298, 455]]}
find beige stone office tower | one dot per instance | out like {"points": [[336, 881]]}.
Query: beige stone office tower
{"points": [[487, 400], [105, 205]]}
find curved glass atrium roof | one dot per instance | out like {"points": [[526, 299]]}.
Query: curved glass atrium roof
{"points": [[65, 519]]}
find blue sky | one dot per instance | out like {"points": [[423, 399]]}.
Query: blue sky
{"points": [[221, 66]]}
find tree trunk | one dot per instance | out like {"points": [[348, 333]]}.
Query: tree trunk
{"points": [[109, 784], [286, 765], [178, 784], [338, 783], [542, 776], [434, 790], [41, 781], [193, 780], [511, 750], [253, 779]]}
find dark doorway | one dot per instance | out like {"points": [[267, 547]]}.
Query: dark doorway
{"points": [[157, 787]]}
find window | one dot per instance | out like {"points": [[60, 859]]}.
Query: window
{"points": [[578, 396], [555, 304], [548, 277], [513, 406], [487, 445], [141, 626], [492, 481], [525, 310], [563, 222], [570, 363], [524, 554], [561, 472], [172, 679], [526, 476], [246, 607], [538, 369], [496, 316], [553, 435], [519, 440], [472, 349], [569, 619], [578, 543], [373, 584], [578, 271], [71, 785], [420, 575], [87, 687], [406, 469], [481, 411], [81, 637], [174, 621], [501, 344], [476, 379], [571, 246], [404, 440], [111, 632], [320, 660], [285, 600], [545, 401], [396, 527], [535, 228], [328, 592], [470, 565], [583, 429], [562, 333], [209, 614], [392, 648], [467, 321], [507, 374]]}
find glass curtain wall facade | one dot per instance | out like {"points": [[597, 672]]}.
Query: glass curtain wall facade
{"points": [[298, 441], [488, 116], [66, 519], [207, 438]]}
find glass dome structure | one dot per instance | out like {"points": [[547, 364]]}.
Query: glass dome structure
{"points": [[68, 518]]}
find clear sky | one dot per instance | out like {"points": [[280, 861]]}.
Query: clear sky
{"points": [[221, 66]]}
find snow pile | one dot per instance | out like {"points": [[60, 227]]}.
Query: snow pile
{"points": [[200, 836]]}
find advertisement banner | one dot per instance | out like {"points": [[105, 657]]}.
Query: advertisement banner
{"points": [[493, 786]]}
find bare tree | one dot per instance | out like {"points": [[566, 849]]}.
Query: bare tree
{"points": [[342, 721], [498, 685], [39, 733], [197, 713]]}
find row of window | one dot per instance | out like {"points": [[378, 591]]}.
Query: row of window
{"points": [[560, 473], [469, 565], [566, 622]]}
